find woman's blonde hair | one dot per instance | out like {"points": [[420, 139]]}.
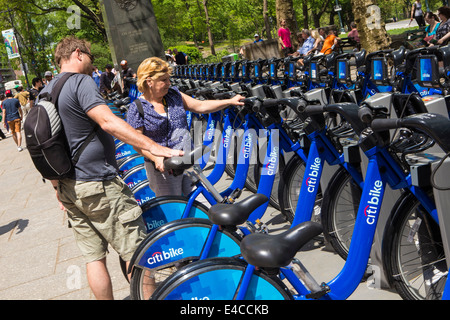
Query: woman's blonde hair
{"points": [[315, 34], [152, 68]]}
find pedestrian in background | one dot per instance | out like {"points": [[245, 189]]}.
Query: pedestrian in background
{"points": [[2, 97], [257, 38], [96, 76], [12, 117], [417, 13], [284, 38]]}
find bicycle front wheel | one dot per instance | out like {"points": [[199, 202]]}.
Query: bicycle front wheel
{"points": [[338, 213], [158, 211], [289, 189], [220, 279], [413, 252], [173, 246]]}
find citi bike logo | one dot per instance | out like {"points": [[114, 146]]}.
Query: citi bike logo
{"points": [[123, 154], [247, 145], [164, 255], [189, 117], [372, 206], [210, 131], [311, 181], [153, 224], [132, 184], [226, 138], [272, 164]]}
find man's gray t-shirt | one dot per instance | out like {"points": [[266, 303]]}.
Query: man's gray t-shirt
{"points": [[79, 95]]}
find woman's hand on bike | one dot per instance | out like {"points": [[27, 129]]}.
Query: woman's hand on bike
{"points": [[236, 100]]}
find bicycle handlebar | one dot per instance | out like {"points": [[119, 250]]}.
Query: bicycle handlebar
{"points": [[385, 124], [314, 109]]}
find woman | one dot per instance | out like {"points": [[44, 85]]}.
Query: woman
{"points": [[417, 13], [443, 31], [433, 25], [317, 42], [165, 121], [300, 44]]}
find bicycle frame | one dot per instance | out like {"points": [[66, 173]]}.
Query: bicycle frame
{"points": [[343, 285]]}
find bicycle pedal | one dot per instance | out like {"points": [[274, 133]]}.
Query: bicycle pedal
{"points": [[324, 289]]}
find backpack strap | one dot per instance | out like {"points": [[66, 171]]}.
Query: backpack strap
{"points": [[56, 90], [54, 96], [89, 138]]}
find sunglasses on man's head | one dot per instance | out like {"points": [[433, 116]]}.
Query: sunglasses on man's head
{"points": [[89, 55]]}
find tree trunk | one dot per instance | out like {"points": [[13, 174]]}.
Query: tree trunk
{"points": [[208, 26], [266, 21], [191, 22], [371, 27], [305, 14]]}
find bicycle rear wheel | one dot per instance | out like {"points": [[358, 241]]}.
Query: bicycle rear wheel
{"points": [[219, 279]]}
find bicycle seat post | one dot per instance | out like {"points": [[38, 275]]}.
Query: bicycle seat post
{"points": [[208, 186]]}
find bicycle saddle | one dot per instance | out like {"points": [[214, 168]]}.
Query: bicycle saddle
{"points": [[225, 214], [360, 57], [275, 251], [398, 56], [186, 161]]}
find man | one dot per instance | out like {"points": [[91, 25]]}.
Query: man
{"points": [[12, 115], [170, 58], [105, 80], [284, 38], [257, 38], [100, 207], [308, 42], [354, 35], [180, 57], [96, 76], [2, 98], [330, 42], [127, 75], [48, 76], [35, 90], [23, 96]]}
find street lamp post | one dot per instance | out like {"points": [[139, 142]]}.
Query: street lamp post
{"points": [[338, 9]]}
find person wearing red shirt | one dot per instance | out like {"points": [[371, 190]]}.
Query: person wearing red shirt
{"points": [[284, 37]]}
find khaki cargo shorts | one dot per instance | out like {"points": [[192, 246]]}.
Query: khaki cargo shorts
{"points": [[102, 213]]}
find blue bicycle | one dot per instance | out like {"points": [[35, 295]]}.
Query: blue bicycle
{"points": [[266, 259]]}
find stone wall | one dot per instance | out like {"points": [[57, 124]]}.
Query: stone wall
{"points": [[265, 50]]}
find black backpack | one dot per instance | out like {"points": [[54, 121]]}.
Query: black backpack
{"points": [[45, 137]]}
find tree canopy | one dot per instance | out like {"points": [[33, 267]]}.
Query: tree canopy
{"points": [[40, 24]]}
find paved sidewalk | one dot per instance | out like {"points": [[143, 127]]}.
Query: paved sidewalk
{"points": [[40, 261], [38, 255]]}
